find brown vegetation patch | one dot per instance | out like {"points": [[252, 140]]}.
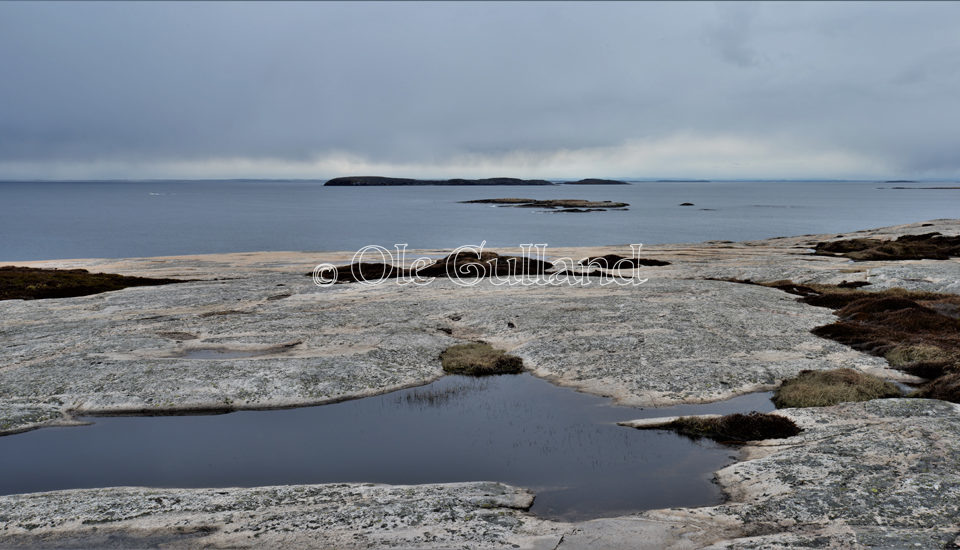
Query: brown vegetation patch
{"points": [[837, 296], [737, 427], [484, 264], [479, 359], [611, 261], [932, 246], [828, 387], [916, 332], [880, 323], [30, 283], [946, 387], [461, 265], [367, 271]]}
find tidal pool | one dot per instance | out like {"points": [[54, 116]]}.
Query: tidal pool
{"points": [[518, 429]]}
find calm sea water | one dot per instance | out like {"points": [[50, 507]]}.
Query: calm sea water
{"points": [[47, 220]]}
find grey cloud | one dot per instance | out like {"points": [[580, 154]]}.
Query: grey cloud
{"points": [[422, 82], [730, 36]]}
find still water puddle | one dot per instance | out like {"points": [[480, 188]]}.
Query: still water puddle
{"points": [[517, 429]]}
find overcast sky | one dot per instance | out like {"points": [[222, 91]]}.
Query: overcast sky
{"points": [[317, 90]]}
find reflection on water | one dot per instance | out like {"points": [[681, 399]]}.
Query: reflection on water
{"points": [[517, 429]]}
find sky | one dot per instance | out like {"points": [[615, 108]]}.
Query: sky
{"points": [[541, 90]]}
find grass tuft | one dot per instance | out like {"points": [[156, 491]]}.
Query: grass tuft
{"points": [[829, 387], [479, 359]]}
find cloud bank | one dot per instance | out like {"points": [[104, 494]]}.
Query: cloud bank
{"points": [[317, 90]]}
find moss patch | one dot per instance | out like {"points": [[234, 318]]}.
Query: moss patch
{"points": [[737, 427], [829, 387], [30, 283], [479, 359]]}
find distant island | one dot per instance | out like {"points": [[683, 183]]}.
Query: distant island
{"points": [[595, 181], [362, 181], [554, 205]]}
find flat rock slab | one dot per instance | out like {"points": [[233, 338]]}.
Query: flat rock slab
{"points": [[462, 515], [231, 344], [883, 473]]}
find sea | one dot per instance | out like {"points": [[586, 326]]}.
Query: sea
{"points": [[122, 219]]}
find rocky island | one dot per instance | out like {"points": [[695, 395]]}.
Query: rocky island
{"points": [[596, 181], [364, 181], [555, 205], [714, 320], [367, 181]]}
